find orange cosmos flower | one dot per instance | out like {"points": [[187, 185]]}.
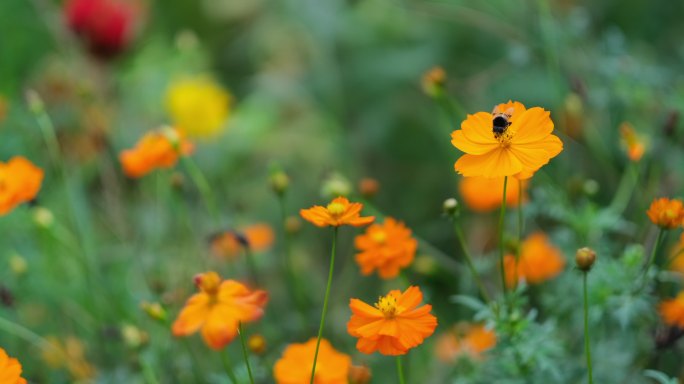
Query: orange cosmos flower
{"points": [[395, 325], [482, 194], [632, 142], [157, 149], [387, 247], [218, 308], [539, 261], [339, 212], [258, 237], [10, 369], [294, 367], [20, 182], [672, 311], [666, 213], [465, 339], [510, 141]]}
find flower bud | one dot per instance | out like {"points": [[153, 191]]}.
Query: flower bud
{"points": [[450, 207], [585, 258], [279, 182], [154, 311], [336, 185], [43, 217], [18, 264], [292, 224], [359, 374], [433, 81], [133, 336], [368, 187], [257, 344]]}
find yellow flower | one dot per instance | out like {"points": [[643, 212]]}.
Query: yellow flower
{"points": [[198, 106]]}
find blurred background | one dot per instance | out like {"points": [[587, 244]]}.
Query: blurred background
{"points": [[330, 92]]}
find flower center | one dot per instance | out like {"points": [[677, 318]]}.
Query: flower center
{"points": [[504, 138], [387, 305], [379, 237], [336, 209], [208, 282]]}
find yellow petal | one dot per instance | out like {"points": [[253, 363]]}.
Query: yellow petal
{"points": [[497, 163]]}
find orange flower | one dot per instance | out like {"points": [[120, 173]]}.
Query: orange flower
{"points": [[395, 325], [511, 141], [258, 237], [465, 339], [666, 213], [339, 212], [482, 194], [20, 182], [294, 367], [10, 369], [539, 261], [218, 308], [632, 142], [157, 149], [387, 247], [672, 311]]}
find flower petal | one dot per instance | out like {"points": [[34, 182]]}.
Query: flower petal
{"points": [[497, 163]]}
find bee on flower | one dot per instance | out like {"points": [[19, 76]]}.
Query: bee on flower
{"points": [[510, 141]]}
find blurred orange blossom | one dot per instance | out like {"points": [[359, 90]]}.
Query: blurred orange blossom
{"points": [[218, 309]]}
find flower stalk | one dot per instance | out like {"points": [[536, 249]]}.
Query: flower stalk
{"points": [[469, 263], [325, 303], [244, 353], [587, 347], [400, 370], [502, 215]]}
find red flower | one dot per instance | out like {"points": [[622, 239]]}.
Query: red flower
{"points": [[106, 26]]}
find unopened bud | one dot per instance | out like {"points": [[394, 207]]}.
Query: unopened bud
{"points": [[585, 258], [43, 217], [359, 374], [336, 185], [292, 224], [433, 81], [133, 336], [369, 187], [450, 207], [18, 264], [257, 344], [154, 311], [279, 182]]}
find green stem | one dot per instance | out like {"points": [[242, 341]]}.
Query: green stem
{"points": [[521, 224], [325, 303], [502, 215], [469, 262], [400, 371], [654, 251], [202, 185], [228, 367], [624, 191], [244, 353], [587, 349]]}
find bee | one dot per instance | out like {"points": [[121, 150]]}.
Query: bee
{"points": [[501, 120]]}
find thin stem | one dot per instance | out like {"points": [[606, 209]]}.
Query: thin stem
{"points": [[325, 303], [244, 353], [587, 349], [625, 189], [469, 262], [654, 251], [521, 224], [501, 231], [400, 371], [202, 185], [228, 367]]}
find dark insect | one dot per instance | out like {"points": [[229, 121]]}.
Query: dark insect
{"points": [[501, 121]]}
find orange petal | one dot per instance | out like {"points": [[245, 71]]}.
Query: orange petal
{"points": [[497, 163]]}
